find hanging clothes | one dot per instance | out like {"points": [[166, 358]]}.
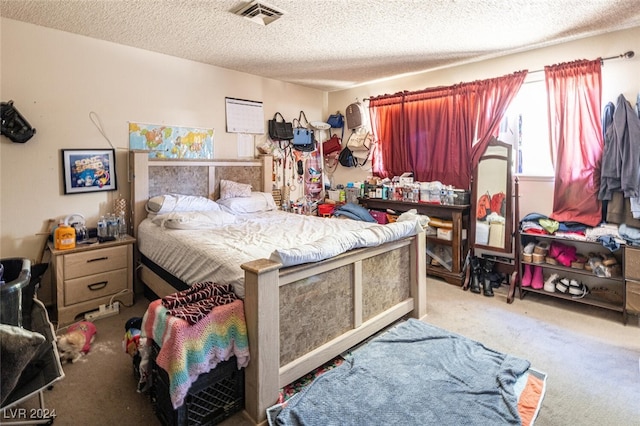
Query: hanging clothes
{"points": [[620, 160]]}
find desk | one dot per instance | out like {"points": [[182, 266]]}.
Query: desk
{"points": [[459, 215]]}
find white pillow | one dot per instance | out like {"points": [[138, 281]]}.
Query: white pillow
{"points": [[231, 189], [195, 220], [180, 203], [256, 202]]}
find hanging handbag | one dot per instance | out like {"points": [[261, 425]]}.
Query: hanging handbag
{"points": [[355, 115], [336, 120], [360, 145], [334, 144], [303, 137], [346, 158], [280, 130]]}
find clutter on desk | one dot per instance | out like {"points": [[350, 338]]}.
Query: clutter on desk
{"points": [[404, 188]]}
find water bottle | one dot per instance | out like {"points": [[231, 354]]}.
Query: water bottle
{"points": [[112, 226], [102, 227], [122, 226]]}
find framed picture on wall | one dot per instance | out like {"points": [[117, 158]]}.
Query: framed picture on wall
{"points": [[89, 170]]}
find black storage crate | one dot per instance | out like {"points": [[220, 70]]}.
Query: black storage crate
{"points": [[212, 398]]}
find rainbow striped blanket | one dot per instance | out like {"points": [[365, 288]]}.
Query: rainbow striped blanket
{"points": [[186, 351]]}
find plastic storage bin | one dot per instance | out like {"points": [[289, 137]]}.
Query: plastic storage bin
{"points": [[16, 275], [215, 396]]}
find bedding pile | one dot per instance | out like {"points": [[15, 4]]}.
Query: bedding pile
{"points": [[211, 246], [417, 374], [188, 350]]}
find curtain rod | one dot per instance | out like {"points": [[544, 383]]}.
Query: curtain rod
{"points": [[626, 55]]}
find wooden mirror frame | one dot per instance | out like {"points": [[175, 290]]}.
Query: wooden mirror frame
{"points": [[495, 152]]}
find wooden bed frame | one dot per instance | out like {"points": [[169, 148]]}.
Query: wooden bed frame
{"points": [[298, 317]]}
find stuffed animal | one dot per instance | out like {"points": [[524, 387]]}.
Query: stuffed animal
{"points": [[76, 341]]}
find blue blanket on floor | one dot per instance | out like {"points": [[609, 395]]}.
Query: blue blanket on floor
{"points": [[413, 374]]}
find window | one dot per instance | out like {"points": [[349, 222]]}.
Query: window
{"points": [[525, 125]]}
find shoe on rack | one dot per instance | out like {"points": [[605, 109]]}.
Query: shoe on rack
{"points": [[528, 249], [526, 276], [577, 290], [562, 286], [550, 283], [537, 281]]}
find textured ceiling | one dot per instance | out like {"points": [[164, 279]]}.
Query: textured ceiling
{"points": [[332, 44]]}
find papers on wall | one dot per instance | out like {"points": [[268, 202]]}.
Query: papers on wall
{"points": [[244, 116], [245, 145]]}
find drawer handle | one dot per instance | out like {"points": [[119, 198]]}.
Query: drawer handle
{"points": [[98, 286], [97, 259]]}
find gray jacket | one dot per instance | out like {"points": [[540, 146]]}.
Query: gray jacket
{"points": [[621, 155]]}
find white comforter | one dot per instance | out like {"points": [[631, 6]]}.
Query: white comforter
{"points": [[216, 254]]}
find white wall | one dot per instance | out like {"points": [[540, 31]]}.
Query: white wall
{"points": [[56, 79], [619, 76]]}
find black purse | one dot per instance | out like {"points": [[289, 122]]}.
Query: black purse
{"points": [[280, 130], [346, 158]]}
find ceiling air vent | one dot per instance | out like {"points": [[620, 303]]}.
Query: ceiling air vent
{"points": [[259, 13]]}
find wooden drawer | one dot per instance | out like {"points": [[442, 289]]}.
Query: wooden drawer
{"points": [[94, 262], [633, 297], [94, 286]]}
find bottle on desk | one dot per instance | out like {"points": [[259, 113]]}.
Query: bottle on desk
{"points": [[64, 237]]}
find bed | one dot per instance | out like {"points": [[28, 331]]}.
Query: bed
{"points": [[297, 317]]}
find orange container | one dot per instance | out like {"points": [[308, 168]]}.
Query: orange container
{"points": [[64, 237]]}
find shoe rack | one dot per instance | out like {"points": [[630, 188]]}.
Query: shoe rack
{"points": [[594, 277]]}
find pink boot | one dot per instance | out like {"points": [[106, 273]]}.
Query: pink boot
{"points": [[537, 282], [527, 276]]}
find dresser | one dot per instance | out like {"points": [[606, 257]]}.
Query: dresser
{"points": [[89, 275]]}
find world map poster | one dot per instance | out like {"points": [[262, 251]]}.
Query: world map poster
{"points": [[171, 141]]}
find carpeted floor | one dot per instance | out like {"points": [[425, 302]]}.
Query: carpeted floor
{"points": [[590, 356]]}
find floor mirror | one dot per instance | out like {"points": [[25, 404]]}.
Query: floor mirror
{"points": [[491, 198]]}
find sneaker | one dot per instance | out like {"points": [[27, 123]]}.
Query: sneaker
{"points": [[550, 283], [577, 290], [562, 286]]}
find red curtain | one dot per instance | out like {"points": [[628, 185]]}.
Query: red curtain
{"points": [[494, 97], [574, 91], [431, 132], [386, 120]]}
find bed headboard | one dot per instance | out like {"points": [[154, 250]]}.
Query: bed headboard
{"points": [[151, 177]]}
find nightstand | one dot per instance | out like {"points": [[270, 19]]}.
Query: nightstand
{"points": [[89, 275]]}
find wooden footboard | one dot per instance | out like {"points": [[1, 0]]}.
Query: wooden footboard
{"points": [[301, 317]]}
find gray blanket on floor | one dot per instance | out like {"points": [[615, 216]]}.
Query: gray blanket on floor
{"points": [[413, 374]]}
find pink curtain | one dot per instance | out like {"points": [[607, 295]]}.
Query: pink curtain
{"points": [[574, 91], [494, 97], [431, 132], [386, 119]]}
